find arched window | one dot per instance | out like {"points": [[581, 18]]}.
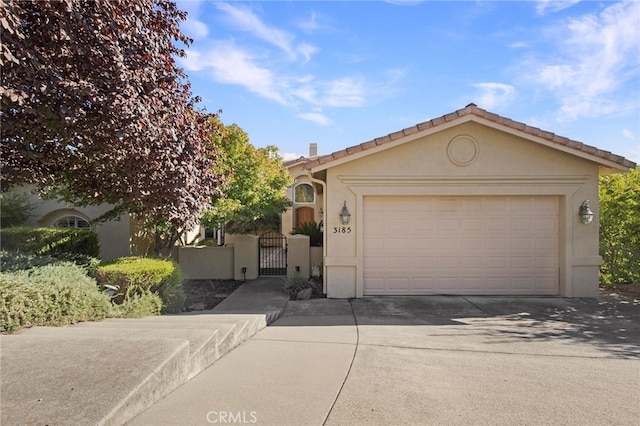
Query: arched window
{"points": [[71, 221], [304, 194]]}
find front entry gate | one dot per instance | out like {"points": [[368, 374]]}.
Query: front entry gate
{"points": [[272, 255]]}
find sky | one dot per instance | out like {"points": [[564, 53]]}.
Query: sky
{"points": [[339, 73]]}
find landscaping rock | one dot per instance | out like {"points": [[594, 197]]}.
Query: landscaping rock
{"points": [[304, 294], [197, 307]]}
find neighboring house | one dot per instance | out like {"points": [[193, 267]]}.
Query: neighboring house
{"points": [[118, 238], [115, 236], [467, 203]]}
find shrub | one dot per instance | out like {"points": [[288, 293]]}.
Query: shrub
{"points": [[620, 228], [51, 241], [137, 306], [139, 276], [17, 261], [56, 294], [296, 283], [15, 209], [313, 230]]}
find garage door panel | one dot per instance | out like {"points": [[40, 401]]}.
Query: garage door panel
{"points": [[461, 245]]}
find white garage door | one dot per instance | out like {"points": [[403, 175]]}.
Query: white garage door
{"points": [[461, 245]]}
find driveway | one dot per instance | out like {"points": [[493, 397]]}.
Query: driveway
{"points": [[479, 360], [426, 360]]}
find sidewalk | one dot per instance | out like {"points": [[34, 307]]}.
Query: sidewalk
{"points": [[288, 374], [108, 372]]}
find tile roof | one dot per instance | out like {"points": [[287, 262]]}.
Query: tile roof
{"points": [[473, 110]]}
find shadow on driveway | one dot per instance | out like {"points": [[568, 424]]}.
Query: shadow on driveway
{"points": [[606, 324]]}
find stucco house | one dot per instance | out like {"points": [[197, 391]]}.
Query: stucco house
{"points": [[467, 203]]}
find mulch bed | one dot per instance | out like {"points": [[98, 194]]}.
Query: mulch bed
{"points": [[206, 294]]}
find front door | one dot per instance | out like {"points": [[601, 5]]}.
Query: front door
{"points": [[304, 215]]}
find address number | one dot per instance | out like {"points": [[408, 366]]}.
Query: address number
{"points": [[341, 229]]}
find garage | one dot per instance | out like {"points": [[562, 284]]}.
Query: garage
{"points": [[469, 203], [486, 245]]}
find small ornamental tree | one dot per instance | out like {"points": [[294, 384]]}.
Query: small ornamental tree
{"points": [[95, 109], [620, 227], [255, 183]]}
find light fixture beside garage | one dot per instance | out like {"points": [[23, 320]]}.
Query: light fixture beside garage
{"points": [[586, 215], [345, 216]]}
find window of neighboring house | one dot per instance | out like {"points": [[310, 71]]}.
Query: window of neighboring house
{"points": [[71, 222], [304, 194]]}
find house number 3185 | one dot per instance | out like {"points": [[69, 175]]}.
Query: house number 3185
{"points": [[341, 229]]}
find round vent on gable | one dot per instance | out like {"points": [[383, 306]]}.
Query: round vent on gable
{"points": [[462, 150]]}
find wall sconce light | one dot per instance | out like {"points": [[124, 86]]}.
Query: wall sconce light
{"points": [[321, 213], [345, 216], [586, 215], [297, 269]]}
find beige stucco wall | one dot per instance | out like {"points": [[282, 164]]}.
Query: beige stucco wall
{"points": [[298, 255], [505, 165], [207, 263], [114, 235]]}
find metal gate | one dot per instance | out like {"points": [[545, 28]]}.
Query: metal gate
{"points": [[272, 256]]}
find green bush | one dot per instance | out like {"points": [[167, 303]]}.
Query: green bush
{"points": [[51, 241], [137, 306], [313, 230], [57, 294], [18, 261], [15, 209], [296, 283], [620, 228], [139, 276]]}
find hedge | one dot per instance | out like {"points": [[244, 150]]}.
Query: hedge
{"points": [[50, 241], [139, 276], [18, 261], [58, 294]]}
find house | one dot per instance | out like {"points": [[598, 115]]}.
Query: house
{"points": [[467, 203]]}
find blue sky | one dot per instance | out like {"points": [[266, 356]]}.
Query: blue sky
{"points": [[339, 73]]}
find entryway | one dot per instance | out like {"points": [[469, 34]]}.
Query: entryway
{"points": [[272, 254]]}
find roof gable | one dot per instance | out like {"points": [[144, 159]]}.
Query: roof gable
{"points": [[472, 113]]}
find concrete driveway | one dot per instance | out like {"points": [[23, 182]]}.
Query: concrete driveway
{"points": [[426, 360]]}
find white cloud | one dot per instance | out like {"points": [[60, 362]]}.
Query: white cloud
{"points": [[552, 6], [343, 92], [628, 134], [231, 65], [493, 95], [288, 156], [310, 24], [316, 117], [596, 54], [245, 20], [192, 26], [195, 29]]}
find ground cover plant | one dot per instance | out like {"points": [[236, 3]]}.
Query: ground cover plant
{"points": [[53, 294]]}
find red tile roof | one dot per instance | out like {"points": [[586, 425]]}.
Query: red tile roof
{"points": [[472, 110]]}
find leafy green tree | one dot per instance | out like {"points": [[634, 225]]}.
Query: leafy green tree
{"points": [[255, 183], [620, 227]]}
